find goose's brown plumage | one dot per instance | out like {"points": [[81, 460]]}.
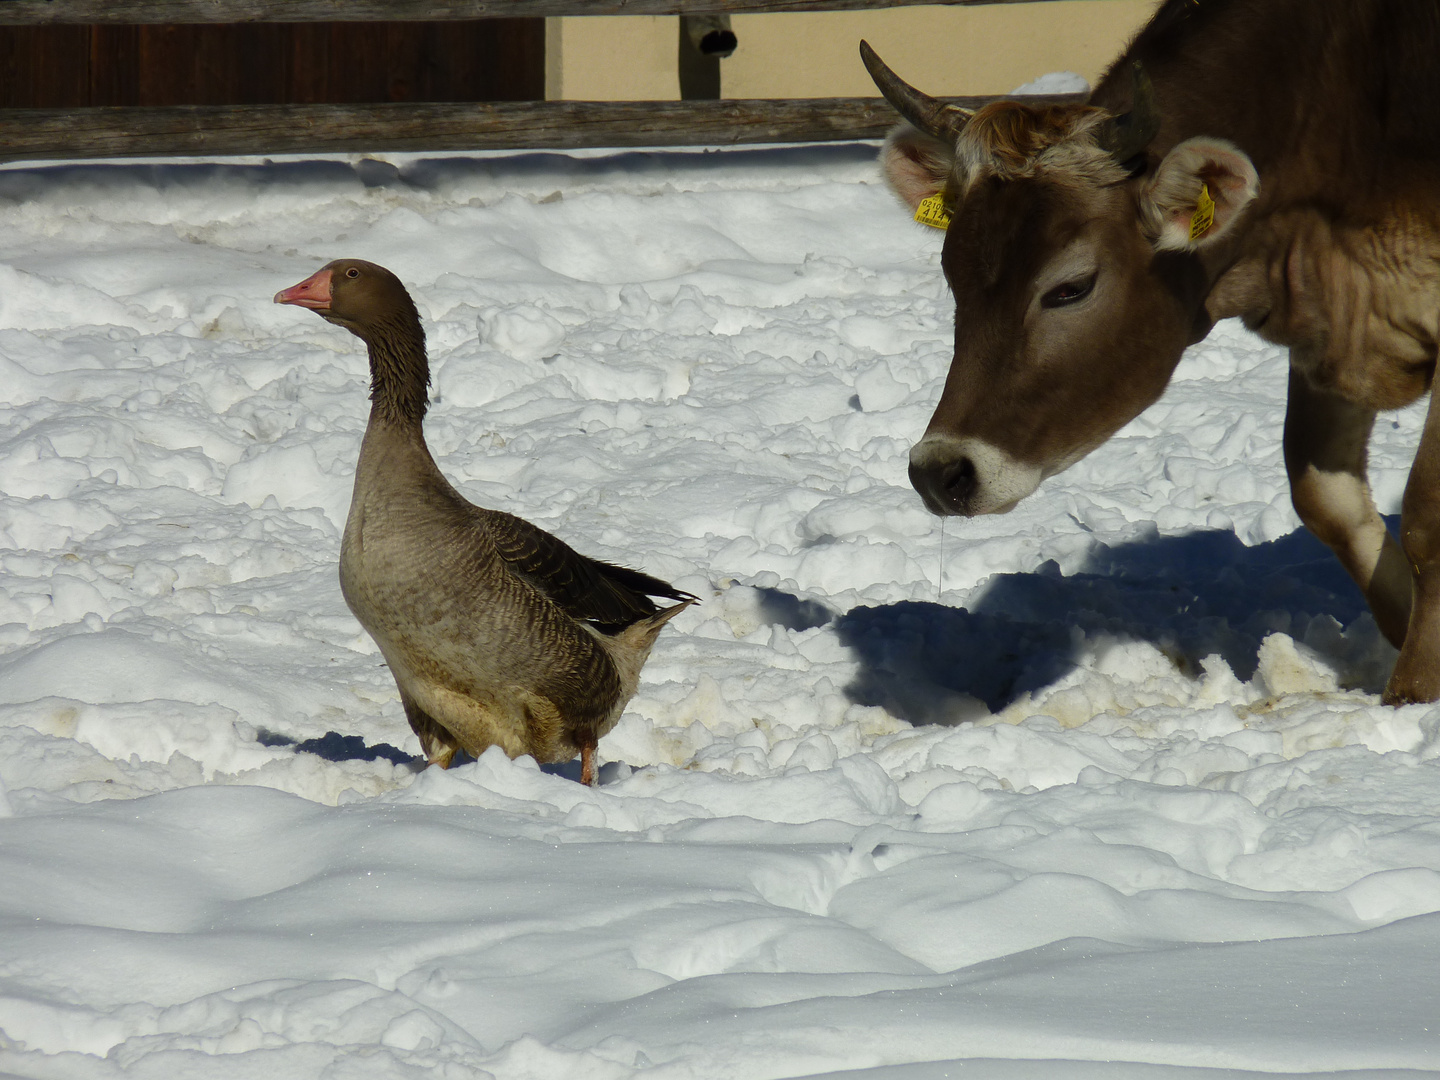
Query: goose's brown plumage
{"points": [[497, 633]]}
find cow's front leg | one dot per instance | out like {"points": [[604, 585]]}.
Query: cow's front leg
{"points": [[1417, 673], [1326, 441]]}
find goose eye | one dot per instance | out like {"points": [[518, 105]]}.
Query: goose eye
{"points": [[352, 272], [1072, 292]]}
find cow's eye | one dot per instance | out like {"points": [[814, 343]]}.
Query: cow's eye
{"points": [[1072, 292]]}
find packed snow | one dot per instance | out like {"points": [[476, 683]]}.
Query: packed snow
{"points": [[1098, 788]]}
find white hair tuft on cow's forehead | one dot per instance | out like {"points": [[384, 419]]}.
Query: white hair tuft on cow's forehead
{"points": [[1018, 141]]}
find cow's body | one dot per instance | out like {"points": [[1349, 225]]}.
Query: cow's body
{"points": [[1335, 103], [1082, 264]]}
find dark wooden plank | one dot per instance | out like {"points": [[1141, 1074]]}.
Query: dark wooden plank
{"points": [[25, 12], [44, 65], [271, 63], [475, 60], [114, 65], [310, 63], [302, 129]]}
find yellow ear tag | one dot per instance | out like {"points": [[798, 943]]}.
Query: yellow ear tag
{"points": [[1204, 215], [932, 212]]}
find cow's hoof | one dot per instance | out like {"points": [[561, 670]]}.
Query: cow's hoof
{"points": [[1409, 692]]}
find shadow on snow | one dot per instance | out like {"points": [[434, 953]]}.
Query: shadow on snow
{"points": [[332, 746], [535, 171], [1191, 596]]}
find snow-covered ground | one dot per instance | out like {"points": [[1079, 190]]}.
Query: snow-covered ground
{"points": [[1100, 788]]}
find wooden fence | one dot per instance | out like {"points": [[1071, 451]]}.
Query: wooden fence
{"points": [[33, 12], [296, 129], [133, 131]]}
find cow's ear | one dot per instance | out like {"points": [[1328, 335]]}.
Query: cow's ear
{"points": [[1197, 193], [916, 165]]}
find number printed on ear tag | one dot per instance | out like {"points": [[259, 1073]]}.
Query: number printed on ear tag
{"points": [[932, 212]]}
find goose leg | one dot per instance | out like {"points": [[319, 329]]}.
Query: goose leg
{"points": [[439, 745], [587, 763]]}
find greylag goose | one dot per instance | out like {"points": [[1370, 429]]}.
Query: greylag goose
{"points": [[497, 633]]}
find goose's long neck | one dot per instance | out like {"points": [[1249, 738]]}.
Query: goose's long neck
{"points": [[399, 371]]}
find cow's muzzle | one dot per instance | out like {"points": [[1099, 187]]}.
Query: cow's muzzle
{"points": [[967, 476]]}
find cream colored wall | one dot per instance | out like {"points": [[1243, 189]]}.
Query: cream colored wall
{"points": [[989, 49], [612, 58], [943, 50]]}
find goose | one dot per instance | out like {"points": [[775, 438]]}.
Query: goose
{"points": [[497, 633]]}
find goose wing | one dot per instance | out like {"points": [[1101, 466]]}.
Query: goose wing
{"points": [[610, 596]]}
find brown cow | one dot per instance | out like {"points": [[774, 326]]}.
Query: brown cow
{"points": [[1276, 160]]}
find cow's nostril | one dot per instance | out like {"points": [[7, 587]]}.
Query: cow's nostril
{"points": [[958, 480], [948, 481]]}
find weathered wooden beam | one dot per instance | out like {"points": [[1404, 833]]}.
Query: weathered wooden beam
{"points": [[31, 12], [110, 131]]}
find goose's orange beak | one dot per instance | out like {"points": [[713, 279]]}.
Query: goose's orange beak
{"points": [[313, 292]]}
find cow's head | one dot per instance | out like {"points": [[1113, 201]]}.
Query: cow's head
{"points": [[1075, 265]]}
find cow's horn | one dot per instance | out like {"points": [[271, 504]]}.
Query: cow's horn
{"points": [[1125, 136], [930, 115]]}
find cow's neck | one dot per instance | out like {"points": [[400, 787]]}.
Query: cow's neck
{"points": [[1314, 88], [1357, 304], [1339, 256]]}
